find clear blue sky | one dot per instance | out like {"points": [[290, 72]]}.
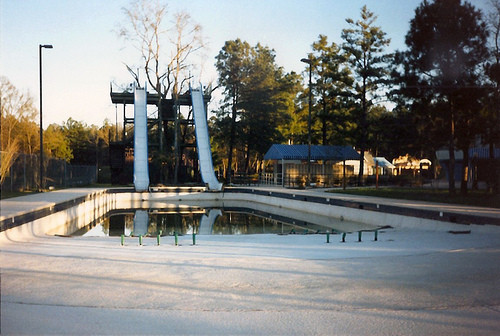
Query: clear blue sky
{"points": [[88, 55]]}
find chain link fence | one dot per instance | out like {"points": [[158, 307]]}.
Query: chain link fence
{"points": [[24, 174]]}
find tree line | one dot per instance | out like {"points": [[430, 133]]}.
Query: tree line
{"points": [[73, 141], [443, 89]]}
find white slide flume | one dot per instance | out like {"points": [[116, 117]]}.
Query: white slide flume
{"points": [[203, 140], [141, 171]]}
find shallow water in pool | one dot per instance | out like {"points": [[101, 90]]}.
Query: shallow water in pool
{"points": [[199, 221]]}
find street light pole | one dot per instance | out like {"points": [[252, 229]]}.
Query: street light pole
{"points": [[48, 46], [308, 61]]}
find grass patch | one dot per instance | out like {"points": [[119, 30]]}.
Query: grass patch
{"points": [[10, 194], [474, 197]]}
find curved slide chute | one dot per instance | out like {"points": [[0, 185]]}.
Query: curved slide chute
{"points": [[203, 140]]}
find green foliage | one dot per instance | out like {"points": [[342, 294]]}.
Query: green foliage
{"points": [[332, 82], [258, 101], [446, 42], [263, 105], [87, 143], [364, 44], [232, 64], [441, 72], [57, 145], [292, 114], [80, 141]]}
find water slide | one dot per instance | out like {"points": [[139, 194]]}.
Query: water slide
{"points": [[203, 140], [207, 221], [141, 173]]}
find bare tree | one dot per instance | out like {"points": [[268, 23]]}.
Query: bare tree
{"points": [[188, 39], [165, 49], [17, 115], [8, 155]]}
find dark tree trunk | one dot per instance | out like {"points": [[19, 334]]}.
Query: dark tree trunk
{"points": [[231, 143], [465, 170], [451, 151], [363, 135]]}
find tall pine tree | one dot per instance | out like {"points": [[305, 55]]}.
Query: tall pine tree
{"points": [[364, 46], [446, 52]]}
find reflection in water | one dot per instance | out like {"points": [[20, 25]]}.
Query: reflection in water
{"points": [[207, 221], [141, 222], [199, 221]]}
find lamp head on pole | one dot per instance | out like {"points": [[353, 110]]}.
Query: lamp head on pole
{"points": [[48, 46], [306, 60]]}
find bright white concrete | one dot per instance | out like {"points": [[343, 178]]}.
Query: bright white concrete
{"points": [[96, 204], [16, 206], [408, 283]]}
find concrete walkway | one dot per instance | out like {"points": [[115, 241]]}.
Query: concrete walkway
{"points": [[17, 206], [443, 207]]}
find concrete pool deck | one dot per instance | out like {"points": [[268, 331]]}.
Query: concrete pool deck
{"points": [[35, 202], [11, 207], [409, 282], [492, 214]]}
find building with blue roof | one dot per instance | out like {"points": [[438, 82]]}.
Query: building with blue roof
{"points": [[327, 164]]}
